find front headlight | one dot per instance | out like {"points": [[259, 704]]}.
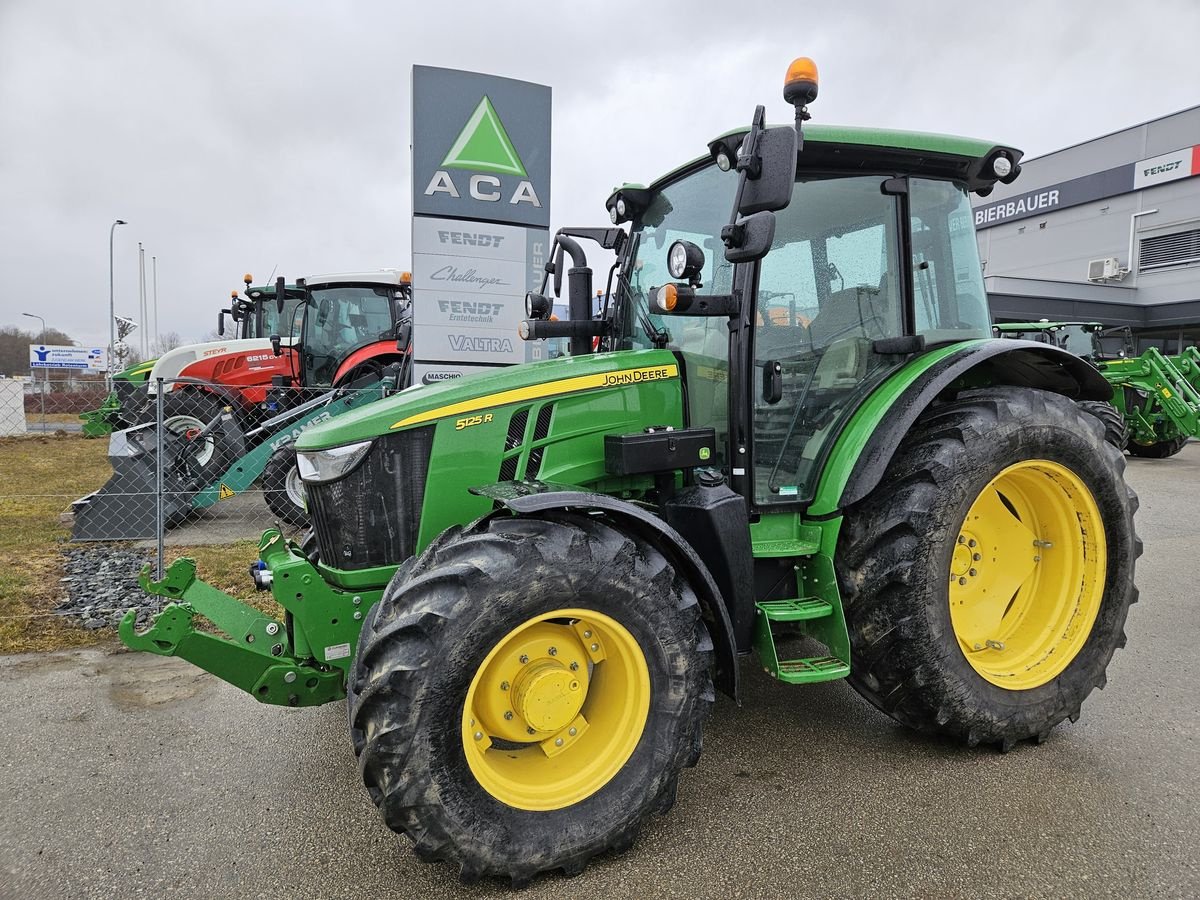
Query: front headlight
{"points": [[330, 465]]}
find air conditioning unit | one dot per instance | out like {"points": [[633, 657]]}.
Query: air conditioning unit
{"points": [[1103, 269]]}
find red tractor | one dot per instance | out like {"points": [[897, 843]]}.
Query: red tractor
{"points": [[333, 331]]}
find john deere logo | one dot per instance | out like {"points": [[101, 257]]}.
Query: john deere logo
{"points": [[484, 146]]}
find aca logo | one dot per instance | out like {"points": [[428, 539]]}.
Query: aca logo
{"points": [[483, 146]]}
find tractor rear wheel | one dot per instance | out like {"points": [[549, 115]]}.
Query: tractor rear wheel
{"points": [[1158, 450], [986, 581], [527, 694], [282, 488]]}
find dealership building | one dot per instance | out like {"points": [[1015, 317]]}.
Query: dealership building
{"points": [[1106, 231]]}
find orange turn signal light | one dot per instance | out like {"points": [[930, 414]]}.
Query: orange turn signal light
{"points": [[668, 297], [233, 294], [247, 278]]}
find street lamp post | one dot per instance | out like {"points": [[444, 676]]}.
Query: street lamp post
{"points": [[112, 324], [42, 341]]}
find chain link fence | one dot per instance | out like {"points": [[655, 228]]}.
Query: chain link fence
{"points": [[89, 476], [191, 463]]}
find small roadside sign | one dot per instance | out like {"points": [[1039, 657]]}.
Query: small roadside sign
{"points": [[51, 356]]}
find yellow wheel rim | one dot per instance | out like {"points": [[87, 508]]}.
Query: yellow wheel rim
{"points": [[556, 709], [1027, 574]]}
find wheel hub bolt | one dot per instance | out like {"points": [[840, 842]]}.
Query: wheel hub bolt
{"points": [[508, 714], [479, 735], [587, 634], [972, 573], [961, 539], [558, 742], [504, 685], [976, 556], [971, 542], [530, 730], [553, 651], [962, 581], [574, 667], [524, 659], [572, 731], [595, 648]]}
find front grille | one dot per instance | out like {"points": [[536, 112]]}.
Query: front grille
{"points": [[370, 517]]}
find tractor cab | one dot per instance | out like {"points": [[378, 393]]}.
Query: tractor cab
{"points": [[1088, 340], [792, 271], [343, 316], [864, 269], [257, 315]]}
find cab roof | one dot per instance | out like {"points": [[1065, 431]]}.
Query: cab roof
{"points": [[849, 147]]}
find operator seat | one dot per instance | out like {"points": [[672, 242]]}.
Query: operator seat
{"points": [[859, 311]]}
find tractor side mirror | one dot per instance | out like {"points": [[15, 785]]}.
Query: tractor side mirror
{"points": [[753, 237], [276, 345], [403, 336], [776, 164], [221, 321], [280, 291]]}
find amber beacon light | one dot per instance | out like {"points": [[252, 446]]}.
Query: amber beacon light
{"points": [[800, 84]]}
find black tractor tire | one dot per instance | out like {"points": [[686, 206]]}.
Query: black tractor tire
{"points": [[192, 410], [1159, 450], [897, 546], [1116, 431], [282, 488], [426, 639]]}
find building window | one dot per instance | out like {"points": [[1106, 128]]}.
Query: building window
{"points": [[1164, 250]]}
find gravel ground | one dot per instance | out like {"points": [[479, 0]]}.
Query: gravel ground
{"points": [[128, 775], [102, 584]]}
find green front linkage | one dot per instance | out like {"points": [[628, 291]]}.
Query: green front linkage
{"points": [[1171, 385], [301, 665]]}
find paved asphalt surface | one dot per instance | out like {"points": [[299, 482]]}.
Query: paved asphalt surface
{"points": [[127, 775]]}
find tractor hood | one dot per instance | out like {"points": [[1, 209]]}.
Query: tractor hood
{"points": [[171, 363], [483, 393]]}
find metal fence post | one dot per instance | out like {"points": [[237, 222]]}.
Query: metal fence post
{"points": [[158, 478], [45, 378]]}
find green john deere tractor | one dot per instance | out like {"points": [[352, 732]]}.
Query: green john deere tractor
{"points": [[797, 439], [1155, 407]]}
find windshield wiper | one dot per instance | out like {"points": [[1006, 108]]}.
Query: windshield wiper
{"points": [[659, 337]]}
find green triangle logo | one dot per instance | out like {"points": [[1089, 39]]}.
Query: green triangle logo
{"points": [[484, 145]]}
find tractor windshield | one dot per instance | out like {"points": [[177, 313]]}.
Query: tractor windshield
{"points": [[339, 319], [271, 321], [694, 209]]}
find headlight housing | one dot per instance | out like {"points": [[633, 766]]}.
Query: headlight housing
{"points": [[318, 466]]}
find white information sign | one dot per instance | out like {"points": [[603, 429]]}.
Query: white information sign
{"points": [[51, 356], [469, 284]]}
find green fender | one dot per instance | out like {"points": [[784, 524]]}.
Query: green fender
{"points": [[866, 446]]}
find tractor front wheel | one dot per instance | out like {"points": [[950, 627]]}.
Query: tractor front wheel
{"points": [[527, 694], [187, 413], [987, 580], [282, 488], [1159, 449]]}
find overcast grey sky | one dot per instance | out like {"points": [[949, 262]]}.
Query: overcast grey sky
{"points": [[248, 135]]}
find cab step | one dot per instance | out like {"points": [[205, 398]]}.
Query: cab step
{"points": [[804, 670], [794, 610]]}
